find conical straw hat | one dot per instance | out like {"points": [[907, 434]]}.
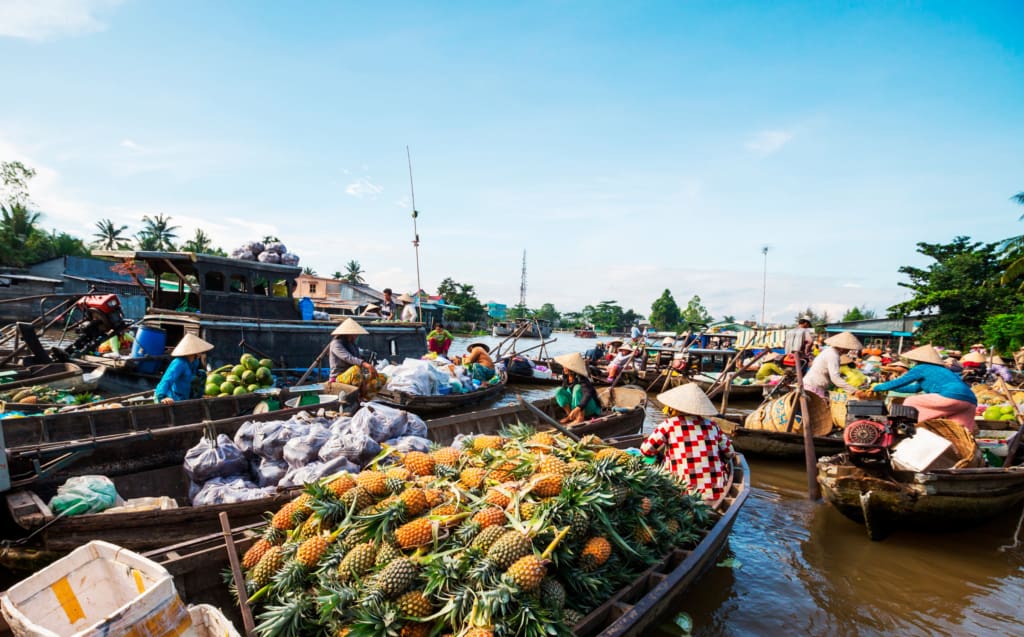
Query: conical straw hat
{"points": [[923, 354], [998, 360], [844, 340], [191, 344], [688, 399], [405, 298], [350, 326], [973, 357], [574, 363]]}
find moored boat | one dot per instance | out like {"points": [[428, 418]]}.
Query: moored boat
{"points": [[780, 445], [442, 403], [66, 376]]}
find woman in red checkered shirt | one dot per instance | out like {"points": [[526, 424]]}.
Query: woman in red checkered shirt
{"points": [[695, 449]]}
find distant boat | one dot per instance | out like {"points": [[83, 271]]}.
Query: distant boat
{"points": [[525, 328], [585, 332]]}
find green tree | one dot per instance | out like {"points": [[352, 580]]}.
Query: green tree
{"points": [[629, 317], [1004, 332], [308, 270], [157, 233], [518, 312], [548, 312], [109, 236], [858, 314], [1013, 249], [464, 296], [956, 292], [62, 244], [336, 274], [571, 319], [818, 321], [608, 315], [353, 273], [695, 311], [17, 224], [664, 311], [14, 178], [200, 243]]}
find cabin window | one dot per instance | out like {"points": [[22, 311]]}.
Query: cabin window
{"points": [[259, 286], [214, 282], [239, 284], [312, 288]]}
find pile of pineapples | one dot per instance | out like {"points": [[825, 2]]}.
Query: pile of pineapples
{"points": [[518, 534]]}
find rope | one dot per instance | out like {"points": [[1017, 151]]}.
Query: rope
{"points": [[1016, 536]]}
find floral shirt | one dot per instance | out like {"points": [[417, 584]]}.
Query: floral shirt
{"points": [[696, 450]]}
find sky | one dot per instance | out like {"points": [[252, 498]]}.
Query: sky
{"points": [[628, 148]]}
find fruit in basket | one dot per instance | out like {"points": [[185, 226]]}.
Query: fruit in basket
{"points": [[227, 387]]}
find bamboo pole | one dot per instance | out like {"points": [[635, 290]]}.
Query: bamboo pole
{"points": [[813, 491], [236, 573]]}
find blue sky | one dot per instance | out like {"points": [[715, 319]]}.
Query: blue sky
{"points": [[628, 149]]}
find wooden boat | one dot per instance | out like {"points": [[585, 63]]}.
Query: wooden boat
{"points": [[425, 405], [585, 333], [884, 500], [163, 476], [629, 612], [523, 379], [778, 444], [55, 375], [740, 392]]}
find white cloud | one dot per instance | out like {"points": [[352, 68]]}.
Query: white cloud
{"points": [[768, 142], [51, 19], [130, 144], [362, 188]]}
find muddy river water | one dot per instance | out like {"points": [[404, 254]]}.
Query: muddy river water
{"points": [[801, 568]]}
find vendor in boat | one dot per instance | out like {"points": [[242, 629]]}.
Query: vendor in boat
{"points": [[478, 362], [577, 395], [594, 355], [618, 364], [408, 308], [176, 383], [372, 310], [1000, 369], [943, 395], [824, 371], [388, 307], [894, 370], [695, 448], [439, 340], [346, 361], [848, 370], [769, 367]]}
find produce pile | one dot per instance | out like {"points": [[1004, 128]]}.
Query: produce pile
{"points": [[992, 405], [520, 534], [46, 394], [246, 377], [274, 252]]}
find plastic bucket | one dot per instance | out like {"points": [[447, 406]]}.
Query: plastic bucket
{"points": [[306, 308], [149, 341]]}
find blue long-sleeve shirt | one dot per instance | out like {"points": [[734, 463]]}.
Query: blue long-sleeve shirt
{"points": [[931, 379], [176, 382]]}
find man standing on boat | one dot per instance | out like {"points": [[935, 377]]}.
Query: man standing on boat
{"points": [[176, 383], [388, 307]]}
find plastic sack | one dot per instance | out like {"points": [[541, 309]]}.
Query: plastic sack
{"points": [[268, 257], [244, 435], [379, 422], [269, 441], [414, 426], [85, 494], [418, 382], [230, 489], [355, 446], [290, 258], [276, 247], [405, 444], [213, 458], [303, 449], [316, 470], [268, 473], [243, 254]]}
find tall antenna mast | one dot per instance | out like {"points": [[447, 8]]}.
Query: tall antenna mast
{"points": [[416, 235], [764, 283], [522, 284]]}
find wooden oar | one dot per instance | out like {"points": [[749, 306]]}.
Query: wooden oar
{"points": [[236, 573], [548, 419], [813, 491], [315, 364]]}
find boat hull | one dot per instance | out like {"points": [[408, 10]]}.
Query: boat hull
{"points": [[430, 405], [778, 444]]}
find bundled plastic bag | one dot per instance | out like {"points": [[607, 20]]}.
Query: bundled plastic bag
{"points": [[405, 444], [268, 473], [379, 421], [316, 470], [304, 449], [290, 258], [355, 446], [85, 494], [213, 458], [276, 247], [243, 254], [414, 426], [229, 489], [245, 434], [418, 382], [269, 257], [269, 441]]}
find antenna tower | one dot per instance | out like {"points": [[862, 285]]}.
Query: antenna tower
{"points": [[522, 284]]}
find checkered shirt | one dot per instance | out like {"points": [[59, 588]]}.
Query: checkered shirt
{"points": [[696, 450]]}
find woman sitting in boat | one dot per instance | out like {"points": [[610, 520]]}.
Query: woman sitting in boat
{"points": [[176, 383], [577, 395], [770, 367], [695, 448], [346, 362], [944, 394], [478, 362], [620, 361], [439, 340], [824, 371]]}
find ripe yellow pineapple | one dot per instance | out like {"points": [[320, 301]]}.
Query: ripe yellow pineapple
{"points": [[286, 517], [341, 484], [552, 464], [449, 508], [528, 572], [491, 516], [472, 477], [643, 535], [547, 485], [268, 565], [487, 442], [414, 604], [446, 456], [541, 439], [435, 496], [255, 552], [415, 501], [595, 553], [610, 452], [419, 463], [374, 482], [416, 533], [498, 496], [415, 629], [399, 473], [479, 632], [312, 526], [311, 550], [358, 561]]}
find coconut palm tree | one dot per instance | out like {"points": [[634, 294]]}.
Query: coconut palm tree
{"points": [[109, 236], [353, 273], [18, 223], [200, 243], [157, 233], [1014, 248], [308, 270], [336, 274]]}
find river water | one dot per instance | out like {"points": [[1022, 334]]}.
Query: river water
{"points": [[801, 568]]}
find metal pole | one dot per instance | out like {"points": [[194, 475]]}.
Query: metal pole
{"points": [[416, 240], [764, 282]]}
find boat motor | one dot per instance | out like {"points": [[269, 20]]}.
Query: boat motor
{"points": [[870, 440], [102, 318]]}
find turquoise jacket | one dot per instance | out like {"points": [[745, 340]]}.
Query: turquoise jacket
{"points": [[176, 382], [931, 379]]}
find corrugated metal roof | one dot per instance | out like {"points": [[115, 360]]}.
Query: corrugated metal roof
{"points": [[30, 277]]}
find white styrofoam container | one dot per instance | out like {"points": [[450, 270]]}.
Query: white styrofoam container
{"points": [[208, 621], [97, 589], [923, 451]]}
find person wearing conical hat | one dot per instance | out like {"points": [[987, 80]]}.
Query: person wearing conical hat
{"points": [[695, 449], [439, 340], [346, 361], [577, 396], [371, 310], [850, 373], [999, 368], [478, 362], [942, 392], [769, 367], [176, 383], [408, 308], [824, 371]]}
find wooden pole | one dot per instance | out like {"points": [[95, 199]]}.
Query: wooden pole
{"points": [[315, 364], [551, 421], [236, 573], [811, 460]]}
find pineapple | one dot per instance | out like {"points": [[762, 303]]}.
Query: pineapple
{"points": [[357, 497], [527, 572], [488, 537], [255, 552], [491, 516], [415, 630], [595, 553], [311, 550], [286, 517], [479, 632], [552, 593], [268, 565], [472, 477], [416, 533], [400, 473], [414, 604], [358, 561], [445, 456], [435, 497], [552, 464], [341, 484], [541, 439], [610, 452], [508, 548], [571, 617], [487, 442], [547, 485], [445, 510], [419, 463], [646, 505], [375, 483], [415, 501], [498, 496], [394, 485], [386, 553], [579, 523], [395, 578]]}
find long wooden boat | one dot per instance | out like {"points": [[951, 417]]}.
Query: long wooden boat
{"points": [[885, 500], [778, 444], [630, 612], [427, 405], [55, 375], [706, 381], [164, 477], [529, 379]]}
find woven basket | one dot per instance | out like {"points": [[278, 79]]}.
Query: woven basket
{"points": [[775, 414], [963, 441]]}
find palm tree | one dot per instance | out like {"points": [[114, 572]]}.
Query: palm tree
{"points": [[336, 274], [157, 233], [18, 223], [353, 273], [1014, 248], [308, 270], [200, 243], [108, 236]]}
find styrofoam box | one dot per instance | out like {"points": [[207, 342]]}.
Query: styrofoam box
{"points": [[924, 451], [97, 589], [208, 621]]}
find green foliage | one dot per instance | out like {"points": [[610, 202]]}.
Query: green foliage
{"points": [[14, 178], [518, 312], [463, 295], [353, 273], [202, 244], [695, 311], [818, 321], [547, 312], [858, 314], [1004, 332], [1013, 250], [157, 233], [22, 243], [109, 236], [960, 288], [336, 274], [664, 312], [308, 270], [608, 315]]}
